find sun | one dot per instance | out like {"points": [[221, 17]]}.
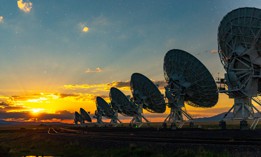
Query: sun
{"points": [[36, 111]]}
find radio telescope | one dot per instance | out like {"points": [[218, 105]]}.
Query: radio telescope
{"points": [[85, 115], [188, 81], [77, 118], [239, 47], [146, 95], [104, 109], [124, 106]]}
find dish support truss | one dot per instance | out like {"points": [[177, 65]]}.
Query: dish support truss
{"points": [[140, 101], [137, 118], [114, 119], [241, 81], [176, 99]]}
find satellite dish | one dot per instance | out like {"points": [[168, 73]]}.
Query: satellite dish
{"points": [[146, 95], [239, 41], [77, 118], [189, 82], [124, 106], [105, 109], [98, 116], [121, 103], [145, 92], [85, 115]]}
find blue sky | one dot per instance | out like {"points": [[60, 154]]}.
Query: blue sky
{"points": [[43, 46], [123, 37]]}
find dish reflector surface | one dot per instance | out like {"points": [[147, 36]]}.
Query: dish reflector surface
{"points": [[85, 115], [104, 108], [146, 91], [196, 81], [238, 32], [120, 102]]}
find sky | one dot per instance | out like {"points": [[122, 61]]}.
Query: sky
{"points": [[57, 56]]}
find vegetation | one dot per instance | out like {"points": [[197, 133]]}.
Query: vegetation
{"points": [[34, 140]]}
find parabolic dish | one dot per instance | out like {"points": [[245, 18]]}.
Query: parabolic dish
{"points": [[200, 87], [77, 116], [103, 107], [239, 31], [143, 88], [85, 115], [120, 102]]}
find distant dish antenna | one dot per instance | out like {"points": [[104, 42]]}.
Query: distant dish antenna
{"points": [[188, 81], [124, 106], [239, 41], [85, 115], [146, 95], [105, 110], [77, 118], [121, 103]]}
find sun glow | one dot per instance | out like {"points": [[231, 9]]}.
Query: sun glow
{"points": [[36, 111]]}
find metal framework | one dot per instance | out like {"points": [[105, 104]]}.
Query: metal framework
{"points": [[121, 104], [189, 82], [105, 110], [239, 49]]}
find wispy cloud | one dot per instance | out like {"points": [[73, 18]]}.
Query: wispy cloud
{"points": [[1, 19], [122, 85], [214, 51], [101, 21], [96, 70], [25, 6]]}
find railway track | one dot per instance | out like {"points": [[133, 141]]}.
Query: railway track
{"points": [[153, 137]]}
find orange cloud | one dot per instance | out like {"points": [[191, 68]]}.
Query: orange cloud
{"points": [[84, 86], [25, 6], [103, 87]]}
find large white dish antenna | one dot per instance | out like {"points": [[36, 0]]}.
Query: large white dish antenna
{"points": [[191, 78], [189, 82], [126, 107], [121, 103], [239, 40], [145, 92], [105, 110]]}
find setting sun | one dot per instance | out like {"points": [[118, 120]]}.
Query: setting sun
{"points": [[36, 111]]}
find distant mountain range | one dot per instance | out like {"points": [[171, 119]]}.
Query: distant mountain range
{"points": [[215, 118], [3, 123]]}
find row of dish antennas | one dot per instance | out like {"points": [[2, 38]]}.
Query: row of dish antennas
{"points": [[82, 117], [189, 81]]}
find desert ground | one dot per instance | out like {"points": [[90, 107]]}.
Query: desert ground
{"points": [[70, 140]]}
